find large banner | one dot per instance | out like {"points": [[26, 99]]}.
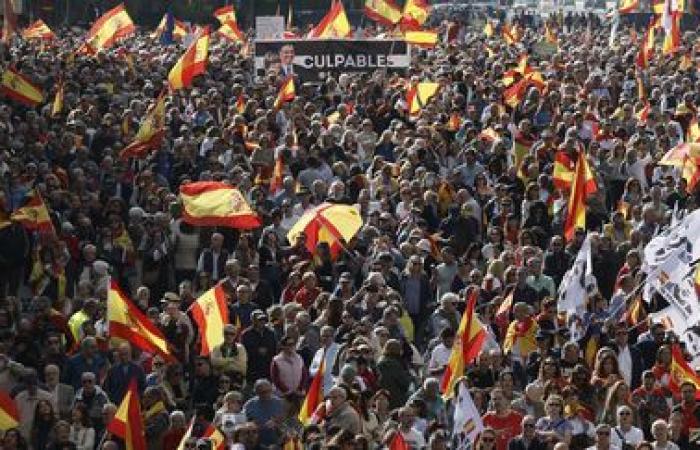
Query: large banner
{"points": [[315, 59]]}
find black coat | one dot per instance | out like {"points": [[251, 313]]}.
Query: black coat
{"points": [[517, 443]]}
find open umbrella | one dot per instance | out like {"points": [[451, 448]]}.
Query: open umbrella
{"points": [[327, 223]]}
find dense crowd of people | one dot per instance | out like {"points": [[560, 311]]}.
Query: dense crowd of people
{"points": [[446, 214]]}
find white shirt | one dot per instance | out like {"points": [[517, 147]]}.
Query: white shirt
{"points": [[633, 436], [439, 357], [414, 439], [624, 361]]}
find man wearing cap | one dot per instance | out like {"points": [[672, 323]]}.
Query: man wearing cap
{"points": [[260, 345]]}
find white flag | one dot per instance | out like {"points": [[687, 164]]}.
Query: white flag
{"points": [[578, 283], [467, 420]]}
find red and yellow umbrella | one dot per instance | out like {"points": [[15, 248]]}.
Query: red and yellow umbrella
{"points": [[327, 223]]}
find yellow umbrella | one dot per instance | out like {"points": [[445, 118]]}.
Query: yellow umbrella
{"points": [[327, 223]]}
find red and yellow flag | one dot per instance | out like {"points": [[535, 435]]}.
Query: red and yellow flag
{"points": [[672, 39], [646, 49], [57, 105], [179, 30], [690, 172], [127, 423], [422, 38], [115, 24], [230, 31], [192, 63], [563, 172], [468, 342], [516, 93], [9, 414], [680, 371], [212, 203], [286, 94], [415, 14], [33, 214], [240, 104], [211, 314], [643, 114], [628, 6], [334, 25], [151, 132], [583, 185], [225, 14], [509, 35], [521, 148], [314, 396], [127, 322], [38, 30], [18, 88], [217, 438], [386, 12], [418, 95]]}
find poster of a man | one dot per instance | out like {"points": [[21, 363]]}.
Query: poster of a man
{"points": [[286, 55]]}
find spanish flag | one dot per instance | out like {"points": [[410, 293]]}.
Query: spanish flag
{"points": [[386, 12], [115, 24], [628, 6], [643, 114], [230, 31], [422, 38], [9, 414], [18, 88], [286, 94], [225, 14], [646, 50], [691, 172], [418, 95], [314, 397], [488, 28], [672, 39], [583, 185], [127, 423], [516, 93], [210, 312], [467, 346], [293, 443], [192, 63], [680, 371], [217, 438], [151, 132], [57, 106], [33, 214], [38, 30], [212, 203], [127, 322], [521, 148], [522, 69], [415, 14], [179, 30], [334, 25], [502, 316]]}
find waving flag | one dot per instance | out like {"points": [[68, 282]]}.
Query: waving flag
{"points": [[114, 25], [179, 28], [418, 95], [210, 312], [680, 371], [212, 203], [151, 132], [225, 14], [422, 38], [230, 31], [628, 6], [672, 38], [192, 63], [286, 94], [468, 342], [38, 30], [467, 420], [127, 322], [334, 25], [18, 87], [415, 14], [386, 12], [583, 185], [9, 415], [127, 423], [314, 397], [57, 105], [33, 214]]}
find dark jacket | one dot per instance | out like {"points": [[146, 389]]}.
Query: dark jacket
{"points": [[118, 378], [395, 378], [517, 443]]}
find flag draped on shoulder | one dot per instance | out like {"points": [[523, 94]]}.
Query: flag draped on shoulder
{"points": [[212, 203], [210, 312], [38, 30], [468, 342], [192, 63], [151, 132], [385, 12], [127, 423], [126, 321], [114, 25], [314, 396], [33, 214], [287, 93], [20, 89], [334, 25], [9, 414], [583, 185]]}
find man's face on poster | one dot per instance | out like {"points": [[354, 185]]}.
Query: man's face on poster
{"points": [[286, 55]]}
